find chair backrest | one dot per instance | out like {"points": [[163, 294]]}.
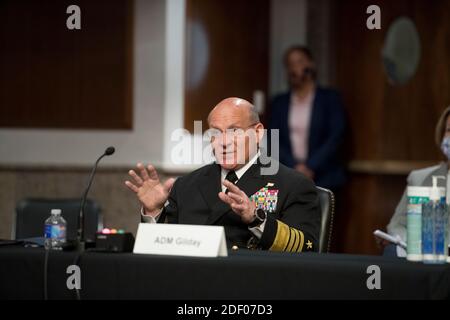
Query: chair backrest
{"points": [[327, 203], [32, 213]]}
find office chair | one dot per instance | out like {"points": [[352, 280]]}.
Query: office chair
{"points": [[327, 203], [32, 213]]}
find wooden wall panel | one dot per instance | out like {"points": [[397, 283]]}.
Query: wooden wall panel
{"points": [[387, 123], [366, 205], [393, 122], [52, 77], [236, 35]]}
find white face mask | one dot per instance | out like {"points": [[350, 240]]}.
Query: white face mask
{"points": [[445, 147]]}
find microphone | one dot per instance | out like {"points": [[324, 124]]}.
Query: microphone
{"points": [[109, 151], [80, 234], [307, 71]]}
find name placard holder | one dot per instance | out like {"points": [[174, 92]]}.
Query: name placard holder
{"points": [[180, 240]]}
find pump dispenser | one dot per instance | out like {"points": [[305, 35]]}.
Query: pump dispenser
{"points": [[434, 225]]}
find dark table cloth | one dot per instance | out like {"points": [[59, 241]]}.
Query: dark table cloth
{"points": [[252, 275]]}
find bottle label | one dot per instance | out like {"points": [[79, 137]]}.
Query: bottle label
{"points": [[414, 224], [441, 226], [434, 228], [428, 229], [55, 232]]}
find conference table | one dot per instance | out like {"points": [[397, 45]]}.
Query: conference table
{"points": [[25, 273]]}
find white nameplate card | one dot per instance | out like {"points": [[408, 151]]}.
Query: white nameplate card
{"points": [[180, 240]]}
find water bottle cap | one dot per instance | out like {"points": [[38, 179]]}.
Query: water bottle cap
{"points": [[56, 211]]}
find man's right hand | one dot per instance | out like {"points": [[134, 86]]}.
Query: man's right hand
{"points": [[149, 189]]}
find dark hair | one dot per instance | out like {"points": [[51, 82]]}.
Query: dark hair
{"points": [[441, 126], [302, 49], [306, 51]]}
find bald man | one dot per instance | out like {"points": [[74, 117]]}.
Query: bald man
{"points": [[278, 212]]}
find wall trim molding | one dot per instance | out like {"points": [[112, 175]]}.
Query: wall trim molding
{"points": [[388, 167]]}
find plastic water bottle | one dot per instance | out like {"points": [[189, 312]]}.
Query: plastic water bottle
{"points": [[55, 231]]}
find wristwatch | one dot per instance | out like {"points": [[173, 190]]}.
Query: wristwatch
{"points": [[260, 217]]}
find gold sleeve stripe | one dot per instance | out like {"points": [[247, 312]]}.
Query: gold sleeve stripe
{"points": [[281, 238], [296, 242], [301, 242], [292, 241], [287, 239]]}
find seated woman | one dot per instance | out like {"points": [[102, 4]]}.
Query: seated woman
{"points": [[421, 177]]}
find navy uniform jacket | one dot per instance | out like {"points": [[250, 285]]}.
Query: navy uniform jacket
{"points": [[326, 135], [294, 225]]}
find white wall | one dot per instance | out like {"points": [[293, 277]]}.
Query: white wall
{"points": [[288, 27], [174, 102], [143, 143]]}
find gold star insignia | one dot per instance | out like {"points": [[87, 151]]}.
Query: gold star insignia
{"points": [[309, 245]]}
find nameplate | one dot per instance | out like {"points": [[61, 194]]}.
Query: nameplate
{"points": [[180, 240]]}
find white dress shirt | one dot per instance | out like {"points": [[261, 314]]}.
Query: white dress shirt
{"points": [[299, 120]]}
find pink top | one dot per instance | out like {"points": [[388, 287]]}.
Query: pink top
{"points": [[299, 119]]}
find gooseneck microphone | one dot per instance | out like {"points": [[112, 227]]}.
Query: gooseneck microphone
{"points": [[80, 235]]}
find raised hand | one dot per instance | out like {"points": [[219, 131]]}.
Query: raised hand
{"points": [[239, 202], [149, 189]]}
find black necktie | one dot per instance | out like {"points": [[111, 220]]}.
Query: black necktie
{"points": [[232, 177]]}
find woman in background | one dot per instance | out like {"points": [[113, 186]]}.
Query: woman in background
{"points": [[422, 177]]}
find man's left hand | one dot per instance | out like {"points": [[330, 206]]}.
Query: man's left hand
{"points": [[239, 202]]}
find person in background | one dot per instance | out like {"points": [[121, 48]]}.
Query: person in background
{"points": [[421, 177], [311, 122]]}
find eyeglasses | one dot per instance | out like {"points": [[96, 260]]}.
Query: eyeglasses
{"points": [[230, 133]]}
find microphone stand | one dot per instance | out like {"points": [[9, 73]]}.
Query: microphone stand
{"points": [[81, 243]]}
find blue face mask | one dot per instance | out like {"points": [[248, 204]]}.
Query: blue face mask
{"points": [[445, 147]]}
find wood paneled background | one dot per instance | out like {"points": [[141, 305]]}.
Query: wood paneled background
{"points": [[232, 39], [53, 77], [391, 127]]}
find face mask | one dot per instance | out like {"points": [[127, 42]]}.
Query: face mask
{"points": [[445, 147]]}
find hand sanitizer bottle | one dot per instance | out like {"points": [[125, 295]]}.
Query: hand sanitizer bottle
{"points": [[434, 226]]}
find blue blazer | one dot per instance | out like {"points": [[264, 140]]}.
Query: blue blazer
{"points": [[326, 136]]}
